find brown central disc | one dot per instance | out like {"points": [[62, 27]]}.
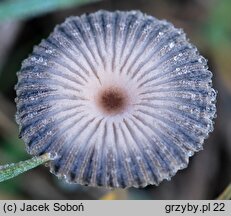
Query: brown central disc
{"points": [[112, 100]]}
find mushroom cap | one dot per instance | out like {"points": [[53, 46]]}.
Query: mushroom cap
{"points": [[121, 98]]}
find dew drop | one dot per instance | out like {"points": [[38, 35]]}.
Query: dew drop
{"points": [[53, 155], [213, 93], [138, 158], [128, 160], [168, 178], [190, 153], [180, 31], [171, 45], [202, 60], [48, 51], [65, 177], [175, 58], [47, 164], [40, 59], [33, 59]]}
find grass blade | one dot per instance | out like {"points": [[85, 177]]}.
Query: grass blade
{"points": [[11, 170], [21, 9]]}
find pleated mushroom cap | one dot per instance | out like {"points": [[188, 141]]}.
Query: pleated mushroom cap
{"points": [[122, 98]]}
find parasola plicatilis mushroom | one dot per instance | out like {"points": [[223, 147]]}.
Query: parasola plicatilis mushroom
{"points": [[122, 98]]}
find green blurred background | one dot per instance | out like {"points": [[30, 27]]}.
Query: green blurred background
{"points": [[23, 23]]}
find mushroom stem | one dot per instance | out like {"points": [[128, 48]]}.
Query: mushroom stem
{"points": [[226, 194], [9, 171]]}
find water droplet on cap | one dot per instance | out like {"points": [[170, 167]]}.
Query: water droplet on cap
{"points": [[171, 45]]}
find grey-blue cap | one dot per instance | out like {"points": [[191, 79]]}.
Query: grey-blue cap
{"points": [[123, 99]]}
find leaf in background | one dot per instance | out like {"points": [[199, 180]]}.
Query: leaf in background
{"points": [[218, 33], [21, 9], [218, 25]]}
